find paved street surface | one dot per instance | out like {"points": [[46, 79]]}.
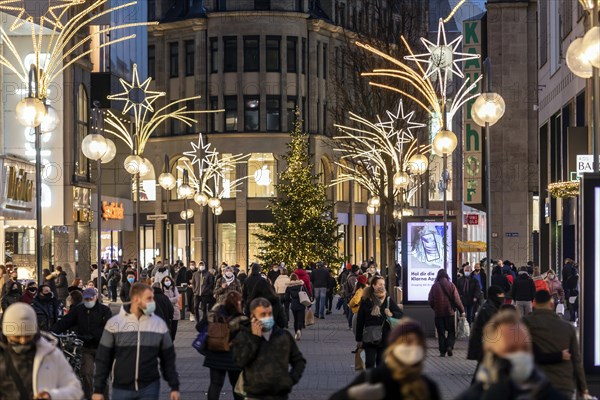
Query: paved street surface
{"points": [[326, 346]]}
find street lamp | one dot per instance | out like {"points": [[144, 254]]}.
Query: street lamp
{"points": [[185, 192], [487, 109], [167, 181], [102, 150], [444, 143], [418, 164]]}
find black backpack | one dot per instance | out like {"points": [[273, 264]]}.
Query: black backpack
{"points": [[115, 277]]}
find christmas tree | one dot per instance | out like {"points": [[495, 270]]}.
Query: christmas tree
{"points": [[304, 228]]}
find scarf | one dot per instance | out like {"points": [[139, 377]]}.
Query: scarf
{"points": [[229, 280], [410, 378], [377, 302]]}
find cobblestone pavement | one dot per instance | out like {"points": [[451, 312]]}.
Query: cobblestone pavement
{"points": [[326, 346]]}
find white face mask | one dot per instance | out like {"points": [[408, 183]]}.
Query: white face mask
{"points": [[521, 365], [202, 268], [408, 354]]}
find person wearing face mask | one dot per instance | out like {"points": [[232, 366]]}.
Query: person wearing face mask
{"points": [[131, 346], [469, 292], [170, 290], [29, 293], [9, 282], [126, 287], [88, 320], [555, 287], [507, 369], [268, 355], [12, 296], [46, 307], [225, 284], [556, 347], [273, 273], [203, 285], [400, 376], [164, 309], [31, 363], [161, 272], [371, 326]]}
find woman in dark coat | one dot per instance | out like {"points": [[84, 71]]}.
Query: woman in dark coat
{"points": [[371, 326], [400, 375], [221, 363], [263, 289], [292, 297]]}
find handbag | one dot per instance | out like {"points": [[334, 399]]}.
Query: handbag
{"points": [[218, 336], [239, 385], [303, 297], [309, 317], [560, 309], [359, 362], [372, 334], [200, 342], [463, 331], [393, 322]]}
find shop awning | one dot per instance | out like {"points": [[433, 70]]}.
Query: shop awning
{"points": [[471, 246]]}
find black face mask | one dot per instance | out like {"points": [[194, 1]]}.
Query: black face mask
{"points": [[497, 300], [32, 290], [45, 297], [14, 290]]}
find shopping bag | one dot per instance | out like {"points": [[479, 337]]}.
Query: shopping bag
{"points": [[340, 303], [560, 309], [200, 342], [463, 331], [239, 386], [359, 363], [572, 299], [303, 298], [309, 317]]}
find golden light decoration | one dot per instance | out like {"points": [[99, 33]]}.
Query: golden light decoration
{"points": [[61, 42], [564, 189]]}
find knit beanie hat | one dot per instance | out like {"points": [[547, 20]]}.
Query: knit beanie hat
{"points": [[19, 320], [406, 326], [362, 279]]}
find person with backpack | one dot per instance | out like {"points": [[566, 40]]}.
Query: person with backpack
{"points": [[114, 277], [348, 291]]}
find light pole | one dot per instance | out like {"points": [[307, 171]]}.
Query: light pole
{"points": [[185, 192], [167, 181], [102, 150], [487, 109], [444, 143]]}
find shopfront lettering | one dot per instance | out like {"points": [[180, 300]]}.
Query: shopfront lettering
{"points": [[112, 210]]}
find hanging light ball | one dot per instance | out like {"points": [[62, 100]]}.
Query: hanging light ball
{"points": [[374, 201], [167, 181], [489, 107], [214, 202], [371, 210], [132, 163], [30, 112], [418, 164], [407, 212], [218, 210], [187, 214], [201, 199], [401, 180], [577, 60], [145, 167], [444, 142], [50, 121], [111, 151], [185, 191], [591, 46], [476, 118], [94, 146]]}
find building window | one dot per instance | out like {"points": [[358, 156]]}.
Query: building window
{"points": [[174, 126], [262, 5], [273, 54], [543, 12], [325, 117], [255, 245], [292, 103], [318, 59], [273, 113], [342, 188], [325, 61], [251, 113], [81, 165], [303, 55], [189, 104], [174, 60], [227, 178], [261, 175], [226, 237], [292, 54], [189, 57], [251, 54], [152, 61], [214, 105], [220, 5], [303, 113], [214, 51], [299, 6], [230, 54], [151, 10], [231, 115], [318, 115]]}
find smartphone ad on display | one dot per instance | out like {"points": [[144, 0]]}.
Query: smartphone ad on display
{"points": [[424, 255]]}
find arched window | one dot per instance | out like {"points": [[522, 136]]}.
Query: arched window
{"points": [[81, 130], [342, 189], [324, 172]]}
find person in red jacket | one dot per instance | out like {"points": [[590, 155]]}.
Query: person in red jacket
{"points": [[303, 276], [444, 299]]}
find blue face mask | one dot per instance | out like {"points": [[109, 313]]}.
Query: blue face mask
{"points": [[89, 304], [150, 307], [267, 323], [467, 273], [130, 280]]}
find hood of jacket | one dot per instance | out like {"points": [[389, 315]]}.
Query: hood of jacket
{"points": [[296, 283]]}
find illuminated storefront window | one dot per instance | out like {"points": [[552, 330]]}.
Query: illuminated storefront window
{"points": [[262, 175]]}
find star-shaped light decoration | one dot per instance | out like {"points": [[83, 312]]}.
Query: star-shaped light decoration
{"points": [[136, 95], [442, 58], [200, 153], [52, 16], [404, 131]]}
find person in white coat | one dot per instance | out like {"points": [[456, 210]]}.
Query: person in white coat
{"points": [[36, 366], [170, 290]]}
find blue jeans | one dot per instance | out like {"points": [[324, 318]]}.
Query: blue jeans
{"points": [[321, 300], [149, 392]]}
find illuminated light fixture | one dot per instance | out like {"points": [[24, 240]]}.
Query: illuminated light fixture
{"points": [[214, 202], [418, 164], [374, 201], [30, 112], [94, 146], [145, 167], [50, 121], [488, 107], [111, 151], [132, 164], [201, 199], [407, 212], [218, 210], [187, 214], [167, 181], [444, 142], [401, 180], [577, 61], [185, 191], [591, 46], [371, 210]]}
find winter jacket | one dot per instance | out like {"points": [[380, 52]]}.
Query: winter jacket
{"points": [[320, 277], [292, 295], [281, 284], [266, 363], [272, 275], [354, 302], [114, 277], [555, 289], [50, 372], [61, 286], [250, 285], [380, 375], [349, 285], [469, 290], [88, 322], [130, 348], [173, 294], [485, 313], [222, 292], [439, 298], [27, 297], [47, 310], [203, 283], [124, 293], [523, 288], [482, 279], [364, 318], [159, 275], [551, 334], [10, 298], [164, 308], [182, 276], [304, 277], [223, 360], [8, 284], [501, 280]]}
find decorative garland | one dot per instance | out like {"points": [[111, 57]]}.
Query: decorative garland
{"points": [[564, 189]]}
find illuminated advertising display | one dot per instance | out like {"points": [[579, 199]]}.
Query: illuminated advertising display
{"points": [[423, 254]]}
